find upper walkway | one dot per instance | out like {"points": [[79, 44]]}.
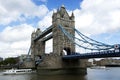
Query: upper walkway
{"points": [[45, 32]]}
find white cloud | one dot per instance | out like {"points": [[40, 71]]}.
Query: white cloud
{"points": [[46, 21], [98, 16], [115, 16], [11, 10], [16, 33], [15, 39]]}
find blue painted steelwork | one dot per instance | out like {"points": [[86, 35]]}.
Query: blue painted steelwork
{"points": [[104, 50], [92, 44], [45, 32], [103, 54], [48, 37], [28, 58]]}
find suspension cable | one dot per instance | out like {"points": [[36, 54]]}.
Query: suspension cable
{"points": [[71, 37]]}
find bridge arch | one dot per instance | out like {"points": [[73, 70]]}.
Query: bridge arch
{"points": [[68, 50]]}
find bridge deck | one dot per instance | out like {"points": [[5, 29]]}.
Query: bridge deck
{"points": [[104, 54]]}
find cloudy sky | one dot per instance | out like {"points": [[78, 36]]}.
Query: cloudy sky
{"points": [[98, 19]]}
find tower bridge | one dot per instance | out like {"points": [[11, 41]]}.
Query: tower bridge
{"points": [[62, 31]]}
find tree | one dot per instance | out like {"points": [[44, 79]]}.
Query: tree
{"points": [[9, 61]]}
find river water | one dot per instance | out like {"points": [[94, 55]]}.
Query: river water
{"points": [[92, 74]]}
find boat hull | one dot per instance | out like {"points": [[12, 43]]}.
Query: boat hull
{"points": [[17, 71]]}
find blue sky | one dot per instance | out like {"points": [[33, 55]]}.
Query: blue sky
{"points": [[98, 19], [51, 4]]}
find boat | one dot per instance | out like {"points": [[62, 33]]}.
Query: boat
{"points": [[17, 71], [98, 67]]}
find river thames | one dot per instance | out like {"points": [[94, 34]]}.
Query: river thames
{"points": [[92, 74]]}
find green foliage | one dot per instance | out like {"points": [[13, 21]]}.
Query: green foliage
{"points": [[8, 61]]}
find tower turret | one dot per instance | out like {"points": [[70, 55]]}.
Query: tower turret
{"points": [[33, 35], [72, 16], [38, 31]]}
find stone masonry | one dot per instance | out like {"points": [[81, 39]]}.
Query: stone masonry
{"points": [[60, 42]]}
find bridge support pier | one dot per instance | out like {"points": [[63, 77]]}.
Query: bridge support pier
{"points": [[56, 65]]}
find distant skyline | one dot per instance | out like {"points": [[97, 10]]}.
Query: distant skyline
{"points": [[98, 19]]}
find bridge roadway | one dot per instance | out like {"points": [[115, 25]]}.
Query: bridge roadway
{"points": [[104, 54]]}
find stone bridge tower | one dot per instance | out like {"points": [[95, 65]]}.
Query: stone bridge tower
{"points": [[60, 41], [54, 60]]}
